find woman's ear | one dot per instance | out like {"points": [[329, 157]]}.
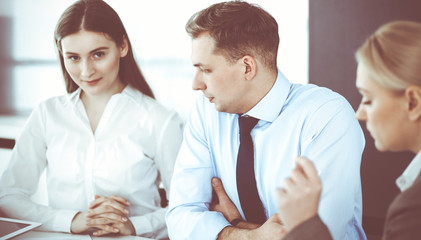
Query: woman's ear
{"points": [[124, 49], [413, 97], [250, 67]]}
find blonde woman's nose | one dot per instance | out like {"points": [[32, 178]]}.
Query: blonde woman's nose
{"points": [[361, 114]]}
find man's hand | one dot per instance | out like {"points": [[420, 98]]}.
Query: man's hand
{"points": [[222, 203], [110, 215], [272, 229], [298, 200]]}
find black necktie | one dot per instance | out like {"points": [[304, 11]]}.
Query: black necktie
{"points": [[246, 181]]}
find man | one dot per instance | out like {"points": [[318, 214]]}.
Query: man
{"points": [[251, 112]]}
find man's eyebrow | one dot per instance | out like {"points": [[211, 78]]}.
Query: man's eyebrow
{"points": [[200, 65]]}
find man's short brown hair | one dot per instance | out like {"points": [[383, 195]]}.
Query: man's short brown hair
{"points": [[238, 29]]}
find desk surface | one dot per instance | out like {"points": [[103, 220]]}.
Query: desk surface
{"points": [[37, 235]]}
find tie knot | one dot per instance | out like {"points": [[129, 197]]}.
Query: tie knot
{"points": [[247, 123]]}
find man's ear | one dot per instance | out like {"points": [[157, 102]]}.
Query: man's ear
{"points": [[413, 99], [250, 67], [124, 49]]}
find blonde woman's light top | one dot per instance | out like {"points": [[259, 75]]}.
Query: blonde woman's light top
{"points": [[410, 174]]}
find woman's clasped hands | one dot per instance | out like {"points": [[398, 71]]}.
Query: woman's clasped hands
{"points": [[106, 215]]}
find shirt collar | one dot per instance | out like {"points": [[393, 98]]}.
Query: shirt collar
{"points": [[73, 98], [131, 92], [410, 174], [271, 105]]}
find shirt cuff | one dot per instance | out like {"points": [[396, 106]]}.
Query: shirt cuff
{"points": [[141, 225], [63, 220], [210, 226]]}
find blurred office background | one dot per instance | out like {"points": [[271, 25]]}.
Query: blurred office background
{"points": [[317, 41], [30, 72]]}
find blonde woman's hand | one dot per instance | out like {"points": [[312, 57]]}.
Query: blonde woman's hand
{"points": [[298, 200]]}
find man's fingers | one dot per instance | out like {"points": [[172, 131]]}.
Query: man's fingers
{"points": [[274, 218], [215, 199], [224, 205], [219, 188]]}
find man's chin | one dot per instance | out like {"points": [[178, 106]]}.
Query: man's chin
{"points": [[220, 108]]}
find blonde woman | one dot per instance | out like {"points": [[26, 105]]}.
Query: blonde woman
{"points": [[389, 80]]}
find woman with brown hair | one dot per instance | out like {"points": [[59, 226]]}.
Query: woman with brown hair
{"points": [[107, 145]]}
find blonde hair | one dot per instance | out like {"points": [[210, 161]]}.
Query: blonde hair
{"points": [[393, 55]]}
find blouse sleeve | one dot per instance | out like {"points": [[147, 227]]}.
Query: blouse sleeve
{"points": [[20, 179], [169, 142], [168, 146]]}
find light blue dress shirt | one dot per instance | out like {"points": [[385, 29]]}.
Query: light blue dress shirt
{"points": [[295, 120]]}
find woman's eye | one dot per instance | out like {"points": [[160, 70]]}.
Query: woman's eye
{"points": [[366, 102], [73, 58], [99, 54]]}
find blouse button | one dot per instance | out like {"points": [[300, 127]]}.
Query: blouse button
{"points": [[402, 181]]}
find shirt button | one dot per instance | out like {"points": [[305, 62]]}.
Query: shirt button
{"points": [[402, 181]]}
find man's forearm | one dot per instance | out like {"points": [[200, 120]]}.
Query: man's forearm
{"points": [[235, 233], [246, 225]]}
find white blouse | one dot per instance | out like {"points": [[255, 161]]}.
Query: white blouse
{"points": [[133, 149]]}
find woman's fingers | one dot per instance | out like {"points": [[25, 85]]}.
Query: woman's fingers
{"points": [[120, 200], [308, 168], [107, 218], [108, 206]]}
